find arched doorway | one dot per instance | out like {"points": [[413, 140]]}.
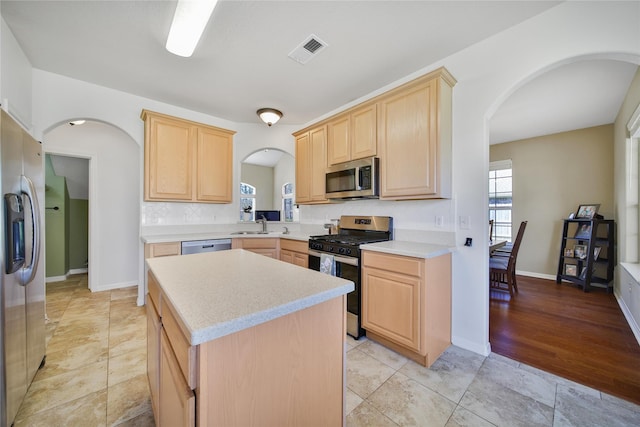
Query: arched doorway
{"points": [[113, 193]]}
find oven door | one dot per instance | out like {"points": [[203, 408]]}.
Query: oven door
{"points": [[346, 268]]}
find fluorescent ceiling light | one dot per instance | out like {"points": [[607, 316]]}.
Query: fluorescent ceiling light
{"points": [[188, 25]]}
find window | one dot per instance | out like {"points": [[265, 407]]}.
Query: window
{"points": [[500, 198], [247, 201], [287, 201]]}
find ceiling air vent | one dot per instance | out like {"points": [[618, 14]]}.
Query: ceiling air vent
{"points": [[308, 49]]}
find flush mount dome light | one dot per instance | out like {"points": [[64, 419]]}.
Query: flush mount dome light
{"points": [[269, 115], [77, 122]]}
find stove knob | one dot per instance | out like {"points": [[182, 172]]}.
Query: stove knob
{"points": [[330, 248], [348, 251], [342, 250]]}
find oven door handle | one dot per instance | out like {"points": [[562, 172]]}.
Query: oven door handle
{"points": [[337, 258]]}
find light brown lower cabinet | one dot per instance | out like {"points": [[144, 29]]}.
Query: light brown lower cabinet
{"points": [[263, 246], [406, 303], [288, 371], [153, 250], [294, 252], [154, 328]]}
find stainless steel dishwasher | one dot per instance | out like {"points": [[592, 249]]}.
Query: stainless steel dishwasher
{"points": [[199, 246]]}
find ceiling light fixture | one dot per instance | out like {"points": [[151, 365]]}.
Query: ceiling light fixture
{"points": [[188, 24], [269, 115], [77, 122]]}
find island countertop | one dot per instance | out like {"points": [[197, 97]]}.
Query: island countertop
{"points": [[219, 293]]}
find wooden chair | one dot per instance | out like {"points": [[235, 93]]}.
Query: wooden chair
{"points": [[490, 230], [502, 269]]}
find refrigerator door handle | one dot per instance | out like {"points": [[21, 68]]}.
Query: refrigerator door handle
{"points": [[29, 272]]}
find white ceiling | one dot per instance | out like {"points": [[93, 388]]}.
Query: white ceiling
{"points": [[241, 63]]}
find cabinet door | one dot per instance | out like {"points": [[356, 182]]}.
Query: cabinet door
{"points": [[303, 169], [364, 132], [338, 140], [286, 256], [177, 400], [214, 157], [168, 159], [153, 356], [318, 140], [408, 136], [301, 259], [391, 306]]}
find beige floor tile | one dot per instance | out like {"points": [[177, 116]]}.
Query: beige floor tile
{"points": [[144, 420], [128, 400], [72, 358], [408, 403], [124, 293], [366, 415], [364, 373], [126, 366], [64, 388], [127, 339], [90, 410]]}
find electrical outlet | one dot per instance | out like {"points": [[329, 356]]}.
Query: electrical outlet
{"points": [[468, 241], [439, 221], [465, 222]]}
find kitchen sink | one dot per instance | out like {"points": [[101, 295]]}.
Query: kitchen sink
{"points": [[250, 232]]}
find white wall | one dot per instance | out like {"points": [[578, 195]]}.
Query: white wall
{"points": [[15, 77], [114, 198], [486, 72]]}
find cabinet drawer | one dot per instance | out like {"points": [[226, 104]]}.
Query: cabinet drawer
{"points": [[154, 250], [154, 292], [185, 353], [176, 399], [258, 243], [294, 245], [401, 264]]}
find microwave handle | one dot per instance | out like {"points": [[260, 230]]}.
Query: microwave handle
{"points": [[359, 175]]}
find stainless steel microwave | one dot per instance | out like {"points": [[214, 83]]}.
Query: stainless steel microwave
{"points": [[353, 180]]}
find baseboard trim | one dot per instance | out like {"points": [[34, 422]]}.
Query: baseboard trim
{"points": [[53, 279], [627, 315], [464, 343], [536, 275], [112, 286], [77, 271]]}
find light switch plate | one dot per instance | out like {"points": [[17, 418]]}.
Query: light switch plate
{"points": [[465, 222], [439, 221]]}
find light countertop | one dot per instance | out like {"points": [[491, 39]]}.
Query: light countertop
{"points": [[183, 237], [412, 249], [219, 293]]}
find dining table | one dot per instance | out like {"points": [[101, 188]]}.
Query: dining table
{"points": [[496, 244]]}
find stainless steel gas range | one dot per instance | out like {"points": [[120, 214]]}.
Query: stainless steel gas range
{"points": [[343, 249]]}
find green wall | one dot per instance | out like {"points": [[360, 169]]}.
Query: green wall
{"points": [[78, 233]]}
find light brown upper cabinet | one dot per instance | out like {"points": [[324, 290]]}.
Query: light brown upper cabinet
{"points": [[414, 139], [186, 161], [311, 166], [352, 135]]}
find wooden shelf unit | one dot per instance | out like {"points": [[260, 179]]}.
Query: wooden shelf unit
{"points": [[589, 234]]}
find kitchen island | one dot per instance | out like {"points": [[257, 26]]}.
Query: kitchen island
{"points": [[235, 338]]}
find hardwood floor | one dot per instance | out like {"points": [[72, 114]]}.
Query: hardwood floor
{"points": [[561, 329]]}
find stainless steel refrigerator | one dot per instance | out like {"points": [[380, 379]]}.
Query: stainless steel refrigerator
{"points": [[22, 289]]}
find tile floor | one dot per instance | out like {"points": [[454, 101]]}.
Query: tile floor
{"points": [[96, 362]]}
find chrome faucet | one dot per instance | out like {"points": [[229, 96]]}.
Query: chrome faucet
{"points": [[286, 230], [263, 221]]}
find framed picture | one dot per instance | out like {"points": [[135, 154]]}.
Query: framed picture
{"points": [[596, 252], [568, 252], [570, 269], [580, 251], [583, 231], [587, 211]]}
